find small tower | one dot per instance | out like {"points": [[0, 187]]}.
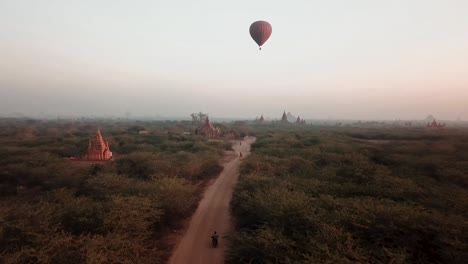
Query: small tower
{"points": [[298, 120], [208, 130], [284, 118], [262, 119], [98, 149]]}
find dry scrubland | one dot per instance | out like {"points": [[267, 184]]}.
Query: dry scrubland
{"points": [[353, 196], [53, 210], [306, 195]]}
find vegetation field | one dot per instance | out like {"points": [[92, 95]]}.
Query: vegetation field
{"points": [[306, 194], [53, 210], [349, 195]]}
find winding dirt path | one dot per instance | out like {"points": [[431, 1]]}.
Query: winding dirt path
{"points": [[212, 214]]}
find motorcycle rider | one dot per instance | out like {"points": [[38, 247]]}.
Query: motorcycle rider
{"points": [[214, 239]]}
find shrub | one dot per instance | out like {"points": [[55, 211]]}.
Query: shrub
{"points": [[137, 165], [342, 200]]}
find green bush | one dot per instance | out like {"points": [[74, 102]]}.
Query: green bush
{"points": [[54, 210], [352, 196]]}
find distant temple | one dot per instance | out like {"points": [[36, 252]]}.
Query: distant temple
{"points": [[300, 121], [262, 119], [284, 118], [208, 130], [98, 149], [435, 124]]}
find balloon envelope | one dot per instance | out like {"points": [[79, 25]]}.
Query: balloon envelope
{"points": [[260, 31]]}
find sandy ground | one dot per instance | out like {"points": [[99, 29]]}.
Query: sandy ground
{"points": [[212, 214]]}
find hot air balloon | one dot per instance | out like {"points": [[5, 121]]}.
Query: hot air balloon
{"points": [[260, 31]]}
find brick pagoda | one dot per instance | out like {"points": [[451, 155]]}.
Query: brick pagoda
{"points": [[98, 149]]}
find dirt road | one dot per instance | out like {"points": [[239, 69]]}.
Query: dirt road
{"points": [[212, 214]]}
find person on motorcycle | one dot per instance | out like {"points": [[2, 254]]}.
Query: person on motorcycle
{"points": [[214, 239]]}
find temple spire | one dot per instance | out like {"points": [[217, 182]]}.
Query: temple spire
{"points": [[284, 118], [98, 149], [208, 130]]}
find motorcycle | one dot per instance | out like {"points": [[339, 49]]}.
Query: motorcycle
{"points": [[214, 240]]}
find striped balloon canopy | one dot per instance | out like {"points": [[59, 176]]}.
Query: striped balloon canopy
{"points": [[260, 31]]}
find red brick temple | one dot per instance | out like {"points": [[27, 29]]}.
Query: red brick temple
{"points": [[434, 124], [98, 149], [208, 130]]}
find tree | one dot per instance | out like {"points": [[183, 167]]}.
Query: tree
{"points": [[198, 118]]}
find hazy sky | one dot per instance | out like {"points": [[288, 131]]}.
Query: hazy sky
{"points": [[360, 59]]}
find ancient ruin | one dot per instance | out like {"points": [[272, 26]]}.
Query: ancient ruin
{"points": [[98, 149], [208, 130], [434, 124], [284, 118], [300, 121]]}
